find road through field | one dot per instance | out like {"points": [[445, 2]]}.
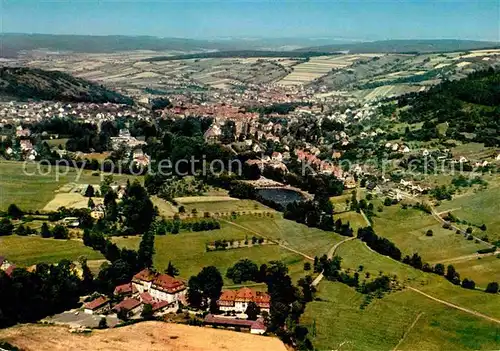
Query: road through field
{"points": [[408, 331], [474, 256], [463, 309]]}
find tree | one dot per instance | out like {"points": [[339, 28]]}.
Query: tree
{"points": [[138, 210], [439, 269], [252, 311], [90, 192], [468, 284], [60, 232], [103, 323], [87, 276], [45, 231], [452, 275], [243, 270], [307, 266], [110, 205], [429, 233], [205, 288], [6, 227], [146, 250], [171, 270], [307, 289], [147, 312], [492, 288], [91, 204], [14, 212], [21, 230], [105, 186]]}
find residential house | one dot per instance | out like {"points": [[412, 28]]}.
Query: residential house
{"points": [[26, 145], [277, 156], [213, 133], [98, 211], [256, 148]]}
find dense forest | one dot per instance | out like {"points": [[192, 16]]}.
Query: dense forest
{"points": [[470, 106]]}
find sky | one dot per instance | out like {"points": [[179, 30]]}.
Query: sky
{"points": [[201, 19]]}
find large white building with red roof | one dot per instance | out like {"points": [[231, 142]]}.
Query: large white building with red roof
{"points": [[238, 300], [161, 287]]}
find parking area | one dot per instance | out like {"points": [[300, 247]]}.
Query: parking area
{"points": [[77, 318]]}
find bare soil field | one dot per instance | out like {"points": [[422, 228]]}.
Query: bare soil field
{"points": [[142, 336]]}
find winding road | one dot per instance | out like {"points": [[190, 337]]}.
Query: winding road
{"points": [[330, 254]]}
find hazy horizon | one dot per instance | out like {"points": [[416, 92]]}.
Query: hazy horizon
{"points": [[340, 21]]}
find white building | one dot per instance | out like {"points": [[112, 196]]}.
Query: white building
{"points": [[160, 286]]}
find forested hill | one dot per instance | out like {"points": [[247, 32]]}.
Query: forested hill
{"points": [[470, 106], [32, 83]]}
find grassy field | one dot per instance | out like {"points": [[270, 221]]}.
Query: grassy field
{"points": [[311, 241], [407, 229], [32, 190], [187, 251], [27, 251], [341, 324], [165, 208], [482, 271], [217, 205], [355, 253], [355, 219], [478, 208]]}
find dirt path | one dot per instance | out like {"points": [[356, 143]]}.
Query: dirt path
{"points": [[466, 257], [463, 309], [330, 254], [408, 331], [270, 239]]}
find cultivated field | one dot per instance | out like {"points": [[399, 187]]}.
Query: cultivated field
{"points": [[317, 67], [152, 336], [27, 251], [340, 324]]}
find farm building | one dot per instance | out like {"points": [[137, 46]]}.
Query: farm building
{"points": [[255, 327], [129, 305], [97, 306]]}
